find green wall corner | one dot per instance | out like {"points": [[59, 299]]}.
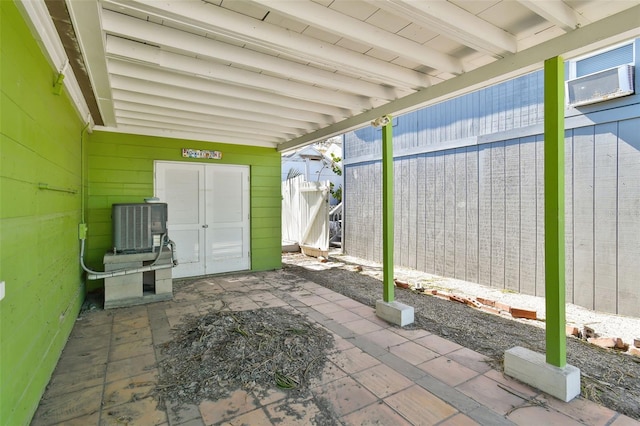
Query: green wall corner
{"points": [[39, 143]]}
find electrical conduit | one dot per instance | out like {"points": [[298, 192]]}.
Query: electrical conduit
{"points": [[98, 275]]}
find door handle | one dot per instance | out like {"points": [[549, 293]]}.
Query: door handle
{"points": [[205, 226]]}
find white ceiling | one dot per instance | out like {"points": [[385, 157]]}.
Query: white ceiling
{"points": [[283, 73]]}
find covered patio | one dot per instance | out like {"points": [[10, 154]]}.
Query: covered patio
{"points": [[96, 93], [376, 373]]}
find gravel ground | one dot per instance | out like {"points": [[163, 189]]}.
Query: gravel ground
{"points": [[604, 324], [608, 377]]}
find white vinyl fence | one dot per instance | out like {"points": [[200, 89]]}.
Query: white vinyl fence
{"points": [[305, 215]]}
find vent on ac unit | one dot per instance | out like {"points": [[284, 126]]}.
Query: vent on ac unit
{"points": [[600, 86]]}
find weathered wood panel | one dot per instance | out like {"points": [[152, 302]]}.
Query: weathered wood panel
{"points": [[568, 216], [430, 212], [484, 216], [377, 207], [349, 226], [540, 279], [460, 214], [512, 104], [368, 213], [449, 213], [421, 213], [412, 190], [356, 205], [472, 214], [397, 211], [404, 194], [583, 226], [477, 212], [512, 215], [528, 215], [605, 216], [439, 249], [498, 216], [629, 217]]}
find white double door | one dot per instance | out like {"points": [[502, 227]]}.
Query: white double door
{"points": [[208, 209]]}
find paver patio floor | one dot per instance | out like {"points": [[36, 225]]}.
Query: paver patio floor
{"points": [[377, 373]]}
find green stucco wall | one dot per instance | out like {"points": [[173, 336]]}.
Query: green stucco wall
{"points": [[39, 143], [120, 168]]}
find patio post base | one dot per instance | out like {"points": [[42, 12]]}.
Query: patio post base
{"points": [[394, 312], [531, 368]]}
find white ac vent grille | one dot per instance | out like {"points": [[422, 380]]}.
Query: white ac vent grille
{"points": [[600, 86]]}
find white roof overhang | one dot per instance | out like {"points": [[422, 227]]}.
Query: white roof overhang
{"points": [[283, 74]]}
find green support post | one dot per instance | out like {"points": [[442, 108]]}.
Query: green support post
{"points": [[554, 211], [387, 211]]}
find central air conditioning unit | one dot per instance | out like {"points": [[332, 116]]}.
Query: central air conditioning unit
{"points": [[138, 228], [600, 86]]}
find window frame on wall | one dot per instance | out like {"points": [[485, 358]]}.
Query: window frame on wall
{"points": [[611, 57]]}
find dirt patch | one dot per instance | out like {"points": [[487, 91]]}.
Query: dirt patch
{"points": [[608, 378], [220, 352]]}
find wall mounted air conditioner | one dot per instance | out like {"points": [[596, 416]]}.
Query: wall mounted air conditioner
{"points": [[138, 228], [600, 86]]}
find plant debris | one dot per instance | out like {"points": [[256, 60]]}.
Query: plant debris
{"points": [[220, 352]]}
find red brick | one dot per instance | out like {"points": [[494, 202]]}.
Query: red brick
{"points": [[502, 307], [490, 310], [401, 284], [432, 292], [442, 295], [458, 299], [487, 302], [474, 303], [573, 331], [621, 345], [603, 342], [523, 313]]}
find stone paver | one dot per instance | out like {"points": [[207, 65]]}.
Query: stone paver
{"points": [[382, 381], [420, 407], [376, 373], [345, 395], [448, 371]]}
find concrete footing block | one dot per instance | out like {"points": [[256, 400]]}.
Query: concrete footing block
{"points": [[531, 368], [395, 312]]}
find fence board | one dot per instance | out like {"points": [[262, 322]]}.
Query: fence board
{"points": [[472, 214], [540, 279], [449, 213], [512, 215], [397, 211], [568, 217], [478, 213], [421, 212], [528, 215], [412, 190], [461, 213], [583, 185], [605, 216], [404, 194], [628, 219], [430, 211], [497, 215], [484, 217], [439, 251]]}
